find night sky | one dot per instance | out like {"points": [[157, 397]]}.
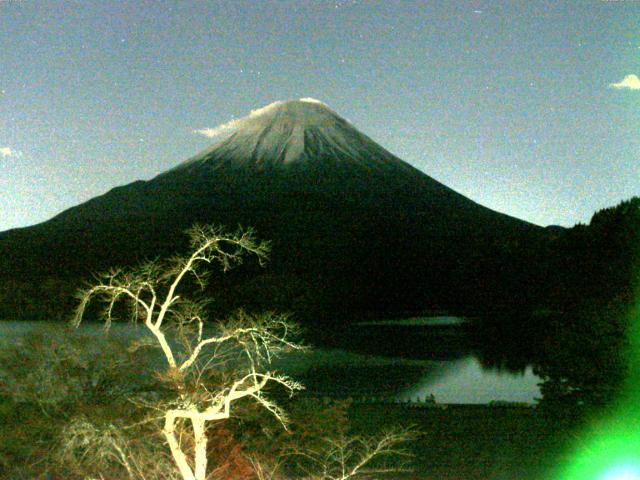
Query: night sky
{"points": [[531, 108]]}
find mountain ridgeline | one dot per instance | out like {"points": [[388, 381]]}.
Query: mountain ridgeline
{"points": [[354, 229]]}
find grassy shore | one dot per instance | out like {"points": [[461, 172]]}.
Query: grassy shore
{"points": [[474, 442]]}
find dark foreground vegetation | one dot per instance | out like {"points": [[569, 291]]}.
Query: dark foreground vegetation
{"points": [[466, 442], [62, 412], [79, 407]]}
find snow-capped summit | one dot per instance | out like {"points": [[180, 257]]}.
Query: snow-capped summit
{"points": [[286, 133]]}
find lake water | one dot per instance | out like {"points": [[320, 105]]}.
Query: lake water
{"points": [[407, 360]]}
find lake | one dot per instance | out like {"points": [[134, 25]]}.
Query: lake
{"points": [[406, 360]]}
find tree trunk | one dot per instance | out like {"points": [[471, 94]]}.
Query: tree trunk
{"points": [[177, 453], [200, 436]]}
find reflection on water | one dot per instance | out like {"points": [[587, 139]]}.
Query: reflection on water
{"points": [[338, 373], [466, 381], [408, 361]]}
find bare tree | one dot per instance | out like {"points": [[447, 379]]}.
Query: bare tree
{"points": [[345, 457], [85, 448], [348, 458], [236, 354]]}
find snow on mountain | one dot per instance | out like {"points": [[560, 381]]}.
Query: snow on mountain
{"points": [[286, 133]]}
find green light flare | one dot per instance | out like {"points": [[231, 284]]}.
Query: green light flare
{"points": [[609, 448], [624, 472]]}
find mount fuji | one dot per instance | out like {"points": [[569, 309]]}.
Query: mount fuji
{"points": [[345, 215]]}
